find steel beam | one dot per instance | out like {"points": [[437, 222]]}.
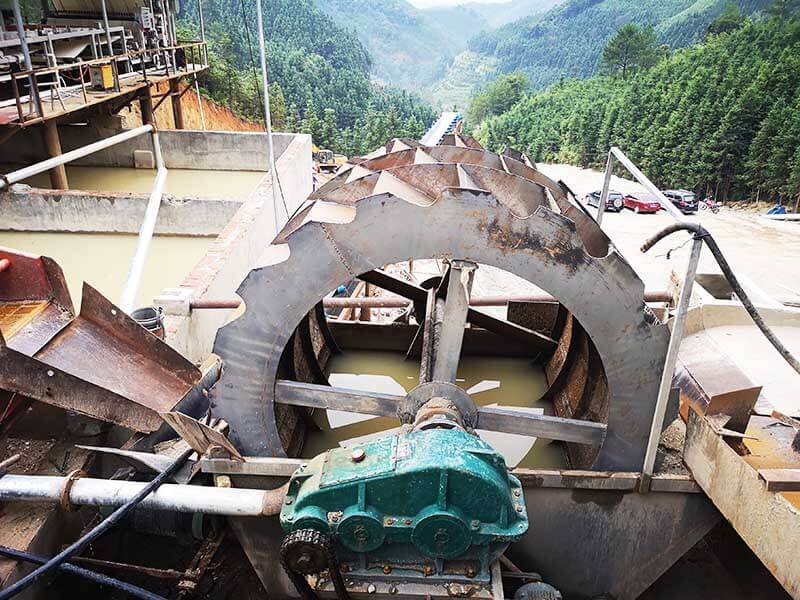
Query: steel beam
{"points": [[493, 418]]}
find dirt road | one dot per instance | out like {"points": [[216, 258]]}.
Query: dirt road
{"points": [[764, 252]]}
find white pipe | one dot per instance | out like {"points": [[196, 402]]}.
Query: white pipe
{"points": [[100, 492], [46, 165], [268, 117], [649, 186], [200, 103], [130, 290]]}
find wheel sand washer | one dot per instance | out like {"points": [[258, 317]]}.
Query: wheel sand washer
{"points": [[429, 510]]}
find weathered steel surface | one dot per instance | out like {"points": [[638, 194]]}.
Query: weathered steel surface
{"points": [[713, 384], [385, 228], [104, 365], [591, 542], [769, 522]]}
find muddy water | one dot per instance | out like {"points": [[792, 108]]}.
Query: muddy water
{"points": [[102, 260], [180, 182], [489, 380]]}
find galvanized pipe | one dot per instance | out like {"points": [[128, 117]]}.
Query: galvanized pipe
{"points": [[649, 185], [107, 27], [46, 165], [675, 339], [601, 207], [398, 302], [231, 502], [131, 288], [26, 55]]}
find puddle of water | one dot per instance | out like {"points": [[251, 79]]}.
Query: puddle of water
{"points": [[102, 260], [180, 182], [489, 380]]}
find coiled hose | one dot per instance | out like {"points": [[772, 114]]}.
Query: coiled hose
{"points": [[114, 518], [702, 233]]}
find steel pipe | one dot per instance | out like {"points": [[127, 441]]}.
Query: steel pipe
{"points": [[398, 302], [46, 165], [229, 502]]}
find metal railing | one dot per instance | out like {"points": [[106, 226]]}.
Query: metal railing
{"points": [[678, 320], [134, 278], [196, 58]]}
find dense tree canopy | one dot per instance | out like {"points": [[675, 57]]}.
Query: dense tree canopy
{"points": [[630, 49], [499, 96], [320, 73], [722, 117]]}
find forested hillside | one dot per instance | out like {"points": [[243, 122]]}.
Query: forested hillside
{"points": [[722, 117], [497, 14], [320, 74], [567, 41]]}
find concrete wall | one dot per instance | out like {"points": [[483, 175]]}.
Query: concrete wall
{"points": [[233, 254], [182, 149], [30, 209]]}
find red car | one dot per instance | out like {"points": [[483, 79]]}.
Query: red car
{"points": [[642, 202]]}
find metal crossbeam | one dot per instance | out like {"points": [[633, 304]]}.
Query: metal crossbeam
{"points": [[503, 419]]}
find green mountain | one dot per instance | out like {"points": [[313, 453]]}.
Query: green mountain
{"points": [[721, 117], [410, 47], [567, 41], [500, 13], [319, 72]]}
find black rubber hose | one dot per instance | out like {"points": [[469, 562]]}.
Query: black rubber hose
{"points": [[702, 233], [128, 588], [100, 529]]}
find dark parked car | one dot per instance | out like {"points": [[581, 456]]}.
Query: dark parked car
{"points": [[613, 202], [642, 202], [685, 200]]}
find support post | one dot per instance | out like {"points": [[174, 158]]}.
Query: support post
{"points": [[177, 107], [58, 174], [26, 55], [675, 339], [268, 117], [146, 104], [601, 208], [107, 28], [454, 317]]}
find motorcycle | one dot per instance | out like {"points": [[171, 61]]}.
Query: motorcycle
{"points": [[709, 204]]}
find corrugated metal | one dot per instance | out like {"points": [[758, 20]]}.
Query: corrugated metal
{"points": [[95, 6]]}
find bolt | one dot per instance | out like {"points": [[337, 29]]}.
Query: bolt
{"points": [[345, 568], [387, 569], [428, 570], [50, 373], [334, 517], [358, 455], [476, 524], [290, 517], [517, 493], [392, 589], [114, 311], [389, 521], [371, 588], [471, 572], [519, 508], [288, 501], [407, 521]]}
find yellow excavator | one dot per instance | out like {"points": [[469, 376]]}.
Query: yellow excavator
{"points": [[327, 160]]}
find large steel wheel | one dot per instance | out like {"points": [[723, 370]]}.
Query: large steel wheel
{"points": [[454, 203]]}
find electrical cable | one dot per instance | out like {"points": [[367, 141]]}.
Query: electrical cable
{"points": [[97, 531], [122, 586], [258, 91], [701, 232]]}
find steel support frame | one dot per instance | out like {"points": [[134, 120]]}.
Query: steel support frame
{"points": [[679, 320]]}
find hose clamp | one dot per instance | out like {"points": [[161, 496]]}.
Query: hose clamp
{"points": [[70, 479]]}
